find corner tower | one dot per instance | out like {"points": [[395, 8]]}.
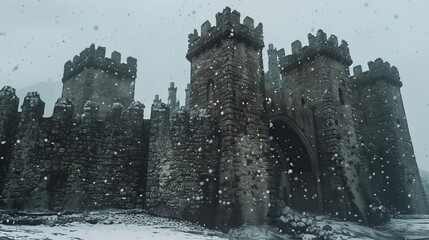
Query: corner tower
{"points": [[227, 79], [384, 128], [93, 77]]}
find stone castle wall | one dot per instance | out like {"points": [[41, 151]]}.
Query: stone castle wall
{"points": [[224, 158], [67, 163], [183, 164]]}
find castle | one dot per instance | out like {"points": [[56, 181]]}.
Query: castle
{"points": [[305, 134]]}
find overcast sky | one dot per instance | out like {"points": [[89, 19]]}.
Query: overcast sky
{"points": [[38, 37]]}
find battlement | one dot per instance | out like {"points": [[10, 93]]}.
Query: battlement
{"points": [[8, 91], [63, 109], [228, 25], [136, 108], [378, 70], [95, 58], [317, 45], [33, 103]]}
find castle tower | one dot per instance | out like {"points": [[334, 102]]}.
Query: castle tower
{"points": [[93, 77], [8, 125], [387, 141], [272, 77], [227, 79], [318, 75]]}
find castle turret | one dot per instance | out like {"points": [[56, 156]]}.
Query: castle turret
{"points": [[272, 77], [187, 92], [93, 77], [386, 138], [227, 79], [172, 100]]}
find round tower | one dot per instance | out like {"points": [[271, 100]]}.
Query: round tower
{"points": [[384, 128]]}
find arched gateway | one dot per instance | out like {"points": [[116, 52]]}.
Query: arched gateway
{"points": [[297, 175]]}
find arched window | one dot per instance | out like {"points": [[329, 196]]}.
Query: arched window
{"points": [[210, 90], [341, 95]]}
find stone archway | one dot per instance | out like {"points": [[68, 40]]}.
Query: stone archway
{"points": [[297, 175]]}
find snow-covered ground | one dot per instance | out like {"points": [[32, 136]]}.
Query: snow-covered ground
{"points": [[109, 225], [138, 225], [97, 231]]}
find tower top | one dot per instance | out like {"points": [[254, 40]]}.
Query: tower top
{"points": [[317, 45], [228, 25], [378, 70], [95, 58]]}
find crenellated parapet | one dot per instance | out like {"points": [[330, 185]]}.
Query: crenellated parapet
{"points": [[95, 58], [8, 100], [136, 107], [33, 106], [133, 114], [228, 25], [192, 116], [118, 112], [63, 109], [8, 92], [318, 45], [90, 110], [378, 70], [102, 157]]}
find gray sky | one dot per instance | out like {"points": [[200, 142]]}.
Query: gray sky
{"points": [[38, 37]]}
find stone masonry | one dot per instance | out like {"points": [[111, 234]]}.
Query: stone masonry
{"points": [[72, 163], [81, 79], [305, 134]]}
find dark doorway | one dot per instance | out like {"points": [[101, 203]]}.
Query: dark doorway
{"points": [[296, 179], [56, 190]]}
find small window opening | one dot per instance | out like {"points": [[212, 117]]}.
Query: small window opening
{"points": [[365, 119], [341, 95]]}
